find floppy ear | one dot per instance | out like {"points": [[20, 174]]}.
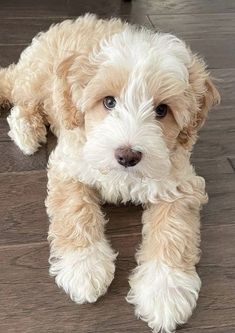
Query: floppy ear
{"points": [[204, 96], [72, 75]]}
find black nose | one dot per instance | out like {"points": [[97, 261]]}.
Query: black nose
{"points": [[127, 157]]}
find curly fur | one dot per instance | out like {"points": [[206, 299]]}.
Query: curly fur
{"points": [[61, 79]]}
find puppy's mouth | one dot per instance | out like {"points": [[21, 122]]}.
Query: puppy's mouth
{"points": [[133, 172], [104, 170], [130, 170]]}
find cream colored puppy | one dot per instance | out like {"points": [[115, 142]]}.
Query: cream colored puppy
{"points": [[126, 104]]}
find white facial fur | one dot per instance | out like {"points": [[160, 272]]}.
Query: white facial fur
{"points": [[133, 124], [152, 53]]}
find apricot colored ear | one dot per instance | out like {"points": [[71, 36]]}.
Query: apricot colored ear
{"points": [[210, 98], [71, 117], [204, 94]]}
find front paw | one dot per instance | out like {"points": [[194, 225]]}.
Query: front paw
{"points": [[85, 274], [163, 297], [26, 132]]}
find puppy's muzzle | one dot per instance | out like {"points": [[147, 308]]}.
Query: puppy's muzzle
{"points": [[127, 156]]}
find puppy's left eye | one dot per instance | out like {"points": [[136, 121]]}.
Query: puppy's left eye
{"points": [[161, 110], [109, 102]]}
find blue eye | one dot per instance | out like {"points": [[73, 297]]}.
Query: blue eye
{"points": [[161, 110], [109, 102]]}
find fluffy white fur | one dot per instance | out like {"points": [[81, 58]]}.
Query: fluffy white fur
{"points": [[163, 296], [62, 79], [84, 274]]}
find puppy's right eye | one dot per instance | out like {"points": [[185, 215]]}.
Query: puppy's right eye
{"points": [[109, 102], [161, 110]]}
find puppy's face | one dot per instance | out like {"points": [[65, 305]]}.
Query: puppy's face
{"points": [[129, 126], [145, 101]]}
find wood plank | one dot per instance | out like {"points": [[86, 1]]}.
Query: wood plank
{"points": [[29, 27], [218, 246], [10, 54], [199, 26], [212, 50], [220, 210], [215, 143], [217, 138], [177, 7], [211, 168], [23, 214], [220, 186], [106, 8], [29, 8], [225, 81], [232, 162], [14, 160], [220, 120], [4, 128], [223, 329], [136, 18]]}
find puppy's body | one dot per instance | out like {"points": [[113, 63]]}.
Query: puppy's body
{"points": [[135, 148]]}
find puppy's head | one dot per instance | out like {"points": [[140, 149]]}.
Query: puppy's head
{"points": [[144, 96]]}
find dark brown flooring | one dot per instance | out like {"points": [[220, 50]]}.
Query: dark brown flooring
{"points": [[30, 302]]}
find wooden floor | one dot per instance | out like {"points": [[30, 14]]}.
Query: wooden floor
{"points": [[30, 302]]}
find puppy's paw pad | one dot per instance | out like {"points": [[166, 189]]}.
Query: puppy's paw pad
{"points": [[163, 297], [85, 275]]}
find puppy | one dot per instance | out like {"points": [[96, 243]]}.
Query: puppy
{"points": [[126, 105]]}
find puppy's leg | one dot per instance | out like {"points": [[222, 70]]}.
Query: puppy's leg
{"points": [[81, 258], [27, 128], [165, 284], [21, 87], [5, 87]]}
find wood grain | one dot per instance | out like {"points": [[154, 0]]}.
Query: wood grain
{"points": [[212, 51], [29, 8], [232, 162], [10, 54], [29, 27], [4, 128], [14, 160], [183, 7], [196, 26], [225, 81], [102, 8], [23, 215]]}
